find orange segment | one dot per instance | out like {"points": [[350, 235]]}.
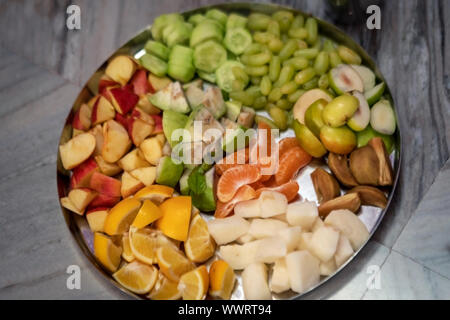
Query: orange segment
{"points": [[290, 162], [156, 193], [176, 217], [127, 254], [232, 160], [289, 189], [106, 251], [194, 284], [199, 245], [145, 242], [234, 178], [172, 263], [148, 213], [165, 289], [137, 277], [287, 144], [244, 193], [221, 280], [121, 216]]}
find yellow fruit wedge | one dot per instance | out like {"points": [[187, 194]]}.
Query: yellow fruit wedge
{"points": [[106, 251], [176, 217], [172, 262], [165, 289], [137, 277], [194, 284], [121, 216], [148, 213], [221, 280], [156, 193], [199, 245], [127, 254], [145, 242]]}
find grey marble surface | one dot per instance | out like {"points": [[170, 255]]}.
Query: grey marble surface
{"points": [[43, 66]]}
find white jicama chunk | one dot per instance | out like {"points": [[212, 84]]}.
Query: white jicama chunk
{"points": [[281, 217], [248, 209], [317, 224], [291, 237], [305, 241], [302, 214], [264, 228], [279, 282], [324, 243], [272, 203], [269, 249], [344, 250], [303, 269], [254, 282], [245, 239], [327, 268], [239, 256], [348, 224], [227, 229]]}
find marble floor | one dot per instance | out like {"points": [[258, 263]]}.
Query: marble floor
{"points": [[43, 67]]}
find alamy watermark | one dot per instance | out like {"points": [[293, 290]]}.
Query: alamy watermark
{"points": [[73, 281], [373, 282], [374, 20], [73, 21]]}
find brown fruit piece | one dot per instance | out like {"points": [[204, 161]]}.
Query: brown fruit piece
{"points": [[364, 165], [386, 176], [325, 184], [350, 201], [370, 196], [339, 166]]}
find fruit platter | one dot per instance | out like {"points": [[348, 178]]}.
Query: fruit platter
{"points": [[235, 151]]}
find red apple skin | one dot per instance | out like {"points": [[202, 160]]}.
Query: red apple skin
{"points": [[96, 109], [158, 123], [123, 120], [105, 82], [81, 175], [103, 201], [140, 82], [82, 118], [105, 185], [138, 130], [125, 99]]}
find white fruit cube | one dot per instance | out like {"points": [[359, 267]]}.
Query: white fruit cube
{"points": [[152, 150], [248, 209], [264, 228], [239, 256], [317, 224], [272, 203], [344, 250], [269, 249], [254, 282], [303, 269], [245, 239], [291, 237], [281, 217], [77, 150], [228, 229], [328, 268], [302, 214], [305, 241], [279, 282], [324, 243], [350, 225]]}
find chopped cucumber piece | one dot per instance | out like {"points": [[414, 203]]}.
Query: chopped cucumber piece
{"points": [[236, 21], [206, 30], [161, 22], [157, 49], [225, 76], [382, 117], [196, 19], [177, 32], [217, 15], [374, 94], [213, 101], [367, 76], [233, 109], [171, 97], [237, 40], [154, 64], [168, 172], [210, 77], [363, 138], [171, 121], [209, 55], [206, 200], [184, 186], [180, 66]]}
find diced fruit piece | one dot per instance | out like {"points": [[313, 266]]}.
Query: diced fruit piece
{"points": [[308, 141], [344, 250], [366, 75], [317, 224], [344, 78], [339, 140], [155, 193], [244, 193], [172, 121], [158, 83], [313, 116], [206, 200], [325, 185], [103, 200], [374, 94], [225, 76], [248, 209], [146, 175], [121, 69], [370, 196], [137, 277], [263, 228], [165, 289], [268, 250], [303, 270], [172, 263], [239, 256], [195, 96], [105, 185], [121, 216], [339, 110], [77, 150], [227, 229], [213, 101], [176, 217], [364, 165], [246, 117], [127, 253], [290, 163], [246, 238], [66, 203], [254, 282], [104, 83], [109, 169], [232, 160], [184, 186], [291, 237], [327, 268], [82, 118], [324, 243], [122, 99], [194, 284], [152, 150], [350, 225], [349, 201], [145, 104], [305, 241], [148, 213], [81, 175], [289, 189], [97, 131], [279, 282], [158, 124], [363, 137], [234, 178], [116, 141], [168, 172], [81, 198], [139, 130], [221, 280], [106, 251], [171, 97], [233, 109], [306, 100], [199, 245], [272, 203], [209, 55], [386, 176], [145, 243], [102, 111], [340, 168], [211, 129], [133, 160], [302, 214], [382, 117], [140, 82]]}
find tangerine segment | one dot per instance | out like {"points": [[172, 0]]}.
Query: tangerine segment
{"points": [[234, 178], [232, 160], [223, 209], [290, 162], [287, 144], [289, 189]]}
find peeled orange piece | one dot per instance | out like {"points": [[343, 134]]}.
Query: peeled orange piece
{"points": [[127, 254], [223, 209], [194, 284], [137, 277], [232, 160], [172, 262], [165, 289], [148, 213], [156, 193], [234, 178], [121, 216], [289, 189], [221, 280], [287, 144], [290, 163], [176, 217], [145, 242], [106, 251], [199, 245]]}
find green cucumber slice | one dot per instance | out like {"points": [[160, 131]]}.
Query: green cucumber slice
{"points": [[367, 76], [161, 22], [154, 64], [157, 49], [209, 55], [177, 32], [217, 15], [210, 77], [196, 19], [180, 66], [382, 117], [233, 109], [171, 121], [237, 40], [206, 30], [374, 94], [225, 76], [168, 172], [236, 21]]}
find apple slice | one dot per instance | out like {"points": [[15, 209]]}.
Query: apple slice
{"points": [[130, 185], [66, 203], [158, 124], [146, 175], [105, 185], [139, 130], [76, 132], [344, 78], [121, 69], [102, 111], [77, 150], [92, 101], [158, 83], [102, 200], [145, 104], [139, 113], [116, 141], [123, 120], [81, 198], [97, 131], [110, 169], [81, 175], [360, 119], [82, 118], [104, 83], [96, 218], [122, 99], [152, 150], [133, 160], [140, 82]]}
